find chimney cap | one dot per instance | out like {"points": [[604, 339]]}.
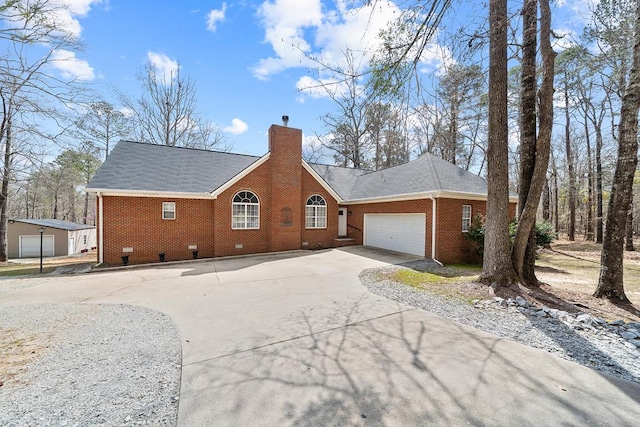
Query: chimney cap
{"points": [[285, 120]]}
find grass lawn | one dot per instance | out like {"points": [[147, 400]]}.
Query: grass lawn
{"points": [[569, 271], [13, 268]]}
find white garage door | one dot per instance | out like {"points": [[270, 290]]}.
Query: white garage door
{"points": [[30, 246], [396, 232]]}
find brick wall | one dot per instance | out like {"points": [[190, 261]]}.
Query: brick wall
{"points": [[239, 242], [136, 222], [324, 237]]}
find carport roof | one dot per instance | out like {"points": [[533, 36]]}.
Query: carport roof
{"points": [[55, 223], [143, 167]]}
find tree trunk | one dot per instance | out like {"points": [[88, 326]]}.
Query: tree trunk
{"points": [[628, 241], [497, 268], [4, 193], [525, 234], [571, 226], [546, 201], [589, 230], [610, 284], [525, 267], [599, 203]]}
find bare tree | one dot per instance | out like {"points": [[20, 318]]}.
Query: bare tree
{"points": [[32, 36], [610, 283], [102, 124], [166, 112]]}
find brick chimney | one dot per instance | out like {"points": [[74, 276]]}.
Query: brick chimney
{"points": [[285, 159]]}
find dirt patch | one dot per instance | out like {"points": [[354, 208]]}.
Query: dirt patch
{"points": [[16, 352]]}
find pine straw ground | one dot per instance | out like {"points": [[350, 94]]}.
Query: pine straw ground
{"points": [[569, 272]]}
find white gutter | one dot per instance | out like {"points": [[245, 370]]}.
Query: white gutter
{"points": [[433, 229], [101, 227]]}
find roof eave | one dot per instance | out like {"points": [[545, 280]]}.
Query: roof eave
{"points": [[423, 195], [146, 193]]}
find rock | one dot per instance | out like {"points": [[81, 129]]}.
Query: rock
{"points": [[635, 342], [545, 309], [475, 301], [599, 320], [498, 300], [585, 319], [634, 331], [553, 313], [540, 313], [562, 314], [632, 325], [628, 335], [617, 323], [521, 301]]}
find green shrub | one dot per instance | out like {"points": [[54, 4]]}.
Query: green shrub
{"points": [[544, 232]]}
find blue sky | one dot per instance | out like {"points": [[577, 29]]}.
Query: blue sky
{"points": [[239, 53]]}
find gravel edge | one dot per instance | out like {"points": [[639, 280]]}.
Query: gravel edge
{"points": [[96, 364], [594, 348]]}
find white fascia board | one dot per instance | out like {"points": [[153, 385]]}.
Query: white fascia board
{"points": [[141, 193], [224, 187], [321, 181], [423, 195]]}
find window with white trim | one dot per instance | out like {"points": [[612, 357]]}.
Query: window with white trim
{"points": [[316, 212], [466, 218], [168, 210], [245, 211]]}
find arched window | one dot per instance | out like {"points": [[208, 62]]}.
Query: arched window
{"points": [[245, 211], [316, 212]]}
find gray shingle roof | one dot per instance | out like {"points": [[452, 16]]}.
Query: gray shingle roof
{"points": [[148, 167], [55, 223], [427, 173], [135, 166], [339, 178]]}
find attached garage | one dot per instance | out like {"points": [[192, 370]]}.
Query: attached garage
{"points": [[396, 232], [30, 246]]}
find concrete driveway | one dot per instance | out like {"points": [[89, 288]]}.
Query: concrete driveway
{"points": [[294, 339]]}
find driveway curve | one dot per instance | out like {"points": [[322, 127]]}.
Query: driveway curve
{"points": [[295, 339]]}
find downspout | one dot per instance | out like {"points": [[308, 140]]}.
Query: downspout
{"points": [[433, 229], [100, 228]]}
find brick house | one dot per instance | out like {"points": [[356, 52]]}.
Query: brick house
{"points": [[154, 200]]}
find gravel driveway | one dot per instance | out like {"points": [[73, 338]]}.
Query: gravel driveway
{"points": [[88, 364]]}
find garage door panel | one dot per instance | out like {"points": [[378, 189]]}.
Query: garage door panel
{"points": [[396, 232], [30, 246]]}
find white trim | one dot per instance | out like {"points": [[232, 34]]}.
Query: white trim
{"points": [[321, 181], [169, 210], [233, 204], [315, 213], [224, 187], [423, 195], [470, 218], [433, 228], [144, 193], [101, 227]]}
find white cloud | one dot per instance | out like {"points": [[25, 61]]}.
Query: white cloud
{"points": [[71, 67], [164, 67], [285, 22], [67, 13], [237, 127], [300, 29], [216, 16]]}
